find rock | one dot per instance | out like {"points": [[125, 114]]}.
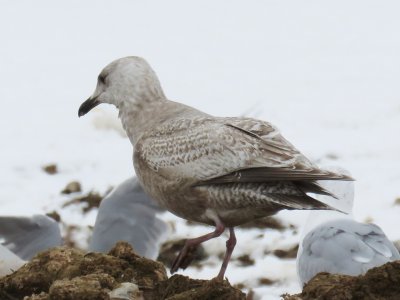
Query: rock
{"points": [[41, 296], [72, 187], [126, 291], [378, 283]]}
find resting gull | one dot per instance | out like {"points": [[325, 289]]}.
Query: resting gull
{"points": [[22, 237], [26, 236], [218, 171], [126, 214], [333, 242]]}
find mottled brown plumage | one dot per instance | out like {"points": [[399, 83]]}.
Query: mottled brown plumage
{"points": [[218, 171]]}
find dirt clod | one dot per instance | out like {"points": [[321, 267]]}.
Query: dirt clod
{"points": [[287, 253], [50, 169], [245, 260], [180, 287], [89, 287], [378, 283], [170, 250], [72, 187], [55, 216], [266, 281], [91, 200]]}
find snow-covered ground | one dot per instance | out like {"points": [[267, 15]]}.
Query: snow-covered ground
{"points": [[326, 73]]}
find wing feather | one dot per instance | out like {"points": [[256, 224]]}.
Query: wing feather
{"points": [[219, 150]]}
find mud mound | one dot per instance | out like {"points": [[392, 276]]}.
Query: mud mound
{"points": [[180, 287], [65, 274], [378, 283]]}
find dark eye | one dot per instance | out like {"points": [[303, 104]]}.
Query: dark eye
{"points": [[102, 78]]}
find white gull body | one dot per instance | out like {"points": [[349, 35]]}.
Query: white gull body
{"points": [[219, 171], [128, 214], [335, 243], [22, 237], [26, 236]]}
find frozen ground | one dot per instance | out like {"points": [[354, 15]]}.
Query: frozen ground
{"points": [[326, 73]]}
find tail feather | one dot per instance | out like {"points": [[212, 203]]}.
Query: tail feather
{"points": [[313, 187]]}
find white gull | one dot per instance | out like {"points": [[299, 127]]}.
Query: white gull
{"points": [[335, 243], [128, 214]]}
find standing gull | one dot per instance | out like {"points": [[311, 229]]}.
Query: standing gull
{"points": [[333, 242], [218, 171]]}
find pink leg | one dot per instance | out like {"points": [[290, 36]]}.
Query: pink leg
{"points": [[193, 243], [230, 245]]}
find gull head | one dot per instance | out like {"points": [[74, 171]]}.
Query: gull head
{"points": [[127, 81]]}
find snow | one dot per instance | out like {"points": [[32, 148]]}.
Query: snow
{"points": [[326, 73]]}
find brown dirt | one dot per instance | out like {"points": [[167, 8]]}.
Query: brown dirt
{"points": [[91, 200], [287, 253], [72, 187], [377, 284], [170, 250], [65, 274], [245, 260], [55, 216], [42, 271], [180, 287], [50, 169], [89, 287], [266, 281]]}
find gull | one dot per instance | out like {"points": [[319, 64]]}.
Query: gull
{"points": [[23, 237], [129, 214], [26, 236], [335, 243], [218, 171], [126, 214]]}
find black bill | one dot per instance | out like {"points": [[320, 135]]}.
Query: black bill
{"points": [[87, 106]]}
